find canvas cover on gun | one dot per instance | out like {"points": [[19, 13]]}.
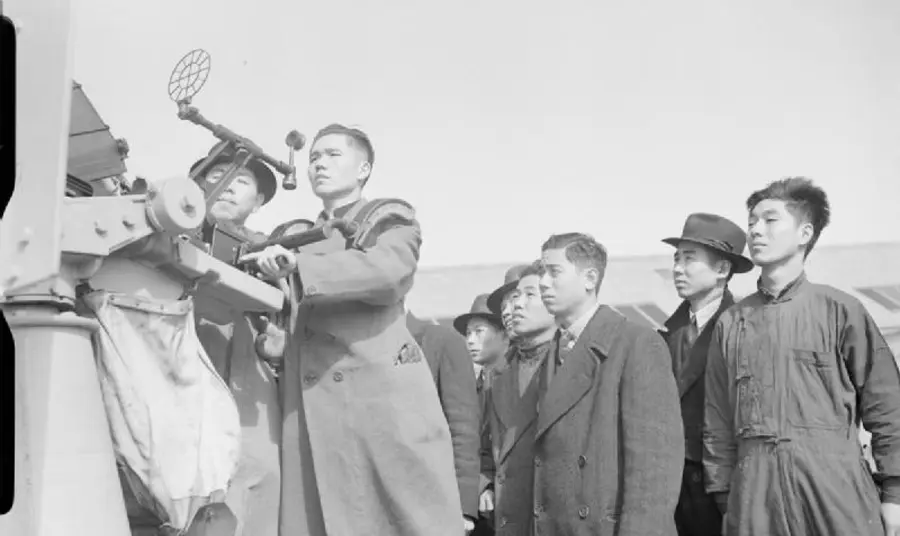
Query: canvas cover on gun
{"points": [[173, 421]]}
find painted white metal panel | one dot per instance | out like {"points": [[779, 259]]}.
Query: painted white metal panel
{"points": [[30, 230]]}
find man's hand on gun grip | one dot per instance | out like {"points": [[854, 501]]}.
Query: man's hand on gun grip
{"points": [[274, 262]]}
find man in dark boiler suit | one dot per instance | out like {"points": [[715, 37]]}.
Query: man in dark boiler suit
{"points": [[792, 369]]}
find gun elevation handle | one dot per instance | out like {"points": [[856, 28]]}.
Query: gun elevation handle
{"points": [[305, 238]]}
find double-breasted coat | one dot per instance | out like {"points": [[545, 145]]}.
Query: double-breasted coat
{"points": [[365, 446], [609, 449], [511, 413]]}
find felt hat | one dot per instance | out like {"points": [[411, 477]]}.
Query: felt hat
{"points": [[510, 280], [479, 309], [719, 234], [265, 178]]}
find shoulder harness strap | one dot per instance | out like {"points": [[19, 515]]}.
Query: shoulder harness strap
{"points": [[298, 225], [376, 217]]}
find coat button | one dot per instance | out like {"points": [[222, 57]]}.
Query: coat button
{"points": [[696, 477], [583, 512], [537, 461], [582, 461], [503, 521], [338, 377], [309, 378], [538, 509], [311, 291]]}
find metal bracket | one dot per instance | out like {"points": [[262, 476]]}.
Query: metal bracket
{"points": [[209, 278]]}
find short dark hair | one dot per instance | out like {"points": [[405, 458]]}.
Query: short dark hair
{"points": [[535, 268], [356, 136], [806, 201], [581, 249]]}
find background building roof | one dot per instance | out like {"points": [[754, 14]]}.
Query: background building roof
{"points": [[641, 287]]}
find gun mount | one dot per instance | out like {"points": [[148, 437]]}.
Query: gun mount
{"points": [[188, 77], [50, 242]]}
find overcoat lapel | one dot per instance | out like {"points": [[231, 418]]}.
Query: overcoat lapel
{"points": [[575, 377], [695, 365], [674, 335], [514, 416]]}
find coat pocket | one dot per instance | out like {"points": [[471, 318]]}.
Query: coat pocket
{"points": [[408, 353], [812, 390]]}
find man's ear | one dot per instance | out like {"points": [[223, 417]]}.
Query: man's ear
{"points": [[806, 233], [260, 199], [365, 169], [724, 267], [592, 279]]}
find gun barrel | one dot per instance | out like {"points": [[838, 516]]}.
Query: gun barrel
{"points": [[294, 241], [305, 238]]}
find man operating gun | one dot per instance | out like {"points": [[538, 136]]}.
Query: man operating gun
{"points": [[365, 446], [254, 491]]}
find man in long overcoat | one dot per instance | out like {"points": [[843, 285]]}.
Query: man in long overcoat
{"points": [[365, 446], [609, 444], [512, 409]]}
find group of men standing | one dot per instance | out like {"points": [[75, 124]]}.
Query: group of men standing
{"points": [[737, 419]]}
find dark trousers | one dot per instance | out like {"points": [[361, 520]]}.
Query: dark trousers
{"points": [[484, 526], [697, 513]]}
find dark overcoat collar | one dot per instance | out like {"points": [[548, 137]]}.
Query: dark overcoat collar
{"points": [[575, 377]]}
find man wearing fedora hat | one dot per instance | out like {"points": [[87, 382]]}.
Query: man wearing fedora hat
{"points": [[498, 301], [253, 186], [486, 343], [512, 405], [707, 254], [485, 336], [253, 495]]}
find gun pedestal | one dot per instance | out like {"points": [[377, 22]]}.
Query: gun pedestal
{"points": [[68, 471], [65, 468], [62, 430], [65, 465], [65, 476]]}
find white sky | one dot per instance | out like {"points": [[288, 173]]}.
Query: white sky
{"points": [[504, 121]]}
